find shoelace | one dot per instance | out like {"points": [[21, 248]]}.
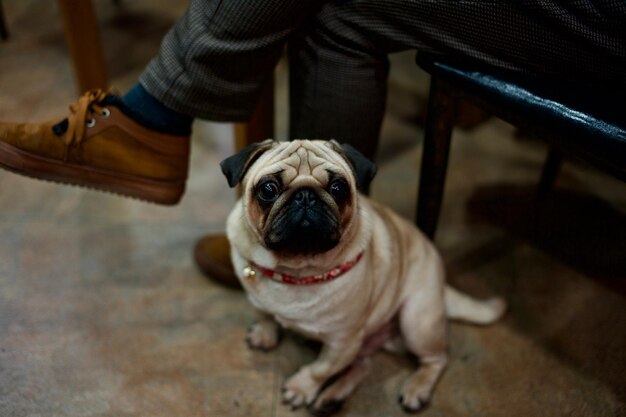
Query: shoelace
{"points": [[87, 105]]}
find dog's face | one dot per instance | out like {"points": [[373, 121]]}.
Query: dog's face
{"points": [[299, 197]]}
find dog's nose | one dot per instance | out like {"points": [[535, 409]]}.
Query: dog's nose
{"points": [[305, 197]]}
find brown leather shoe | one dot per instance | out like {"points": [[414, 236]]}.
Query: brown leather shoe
{"points": [[212, 255], [99, 147]]}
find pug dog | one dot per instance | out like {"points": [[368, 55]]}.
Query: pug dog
{"points": [[318, 257]]}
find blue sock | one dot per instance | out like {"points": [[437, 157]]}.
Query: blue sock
{"points": [[146, 110]]}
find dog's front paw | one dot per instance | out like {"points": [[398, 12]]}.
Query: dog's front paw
{"points": [[263, 335], [301, 389]]}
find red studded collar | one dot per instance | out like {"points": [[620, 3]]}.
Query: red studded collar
{"points": [[250, 273]]}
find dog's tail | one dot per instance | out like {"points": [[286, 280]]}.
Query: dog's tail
{"points": [[462, 307]]}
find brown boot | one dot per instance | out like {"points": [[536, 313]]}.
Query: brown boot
{"points": [[99, 147], [212, 255]]}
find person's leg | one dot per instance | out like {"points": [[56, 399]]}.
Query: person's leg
{"points": [[215, 60], [337, 80], [212, 64], [338, 60]]}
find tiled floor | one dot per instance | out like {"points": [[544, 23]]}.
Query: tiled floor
{"points": [[102, 312]]}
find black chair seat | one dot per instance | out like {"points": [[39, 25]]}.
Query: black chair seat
{"points": [[587, 122]]}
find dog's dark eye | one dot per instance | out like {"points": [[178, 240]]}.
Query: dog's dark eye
{"points": [[339, 189], [268, 191]]}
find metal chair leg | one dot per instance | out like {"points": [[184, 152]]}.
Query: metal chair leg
{"points": [[437, 135], [4, 33], [550, 172]]}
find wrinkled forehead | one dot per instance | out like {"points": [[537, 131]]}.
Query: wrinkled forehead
{"points": [[305, 160]]}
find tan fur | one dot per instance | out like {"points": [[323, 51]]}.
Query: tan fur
{"points": [[400, 276]]}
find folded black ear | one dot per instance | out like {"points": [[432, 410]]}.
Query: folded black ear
{"points": [[236, 166], [364, 169]]}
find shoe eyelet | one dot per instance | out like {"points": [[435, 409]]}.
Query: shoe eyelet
{"points": [[91, 122], [105, 113]]}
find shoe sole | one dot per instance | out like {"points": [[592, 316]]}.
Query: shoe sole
{"points": [[34, 166]]}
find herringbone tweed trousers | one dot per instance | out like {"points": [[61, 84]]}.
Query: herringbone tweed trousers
{"points": [[215, 60]]}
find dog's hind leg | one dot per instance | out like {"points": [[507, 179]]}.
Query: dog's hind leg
{"points": [[423, 327]]}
